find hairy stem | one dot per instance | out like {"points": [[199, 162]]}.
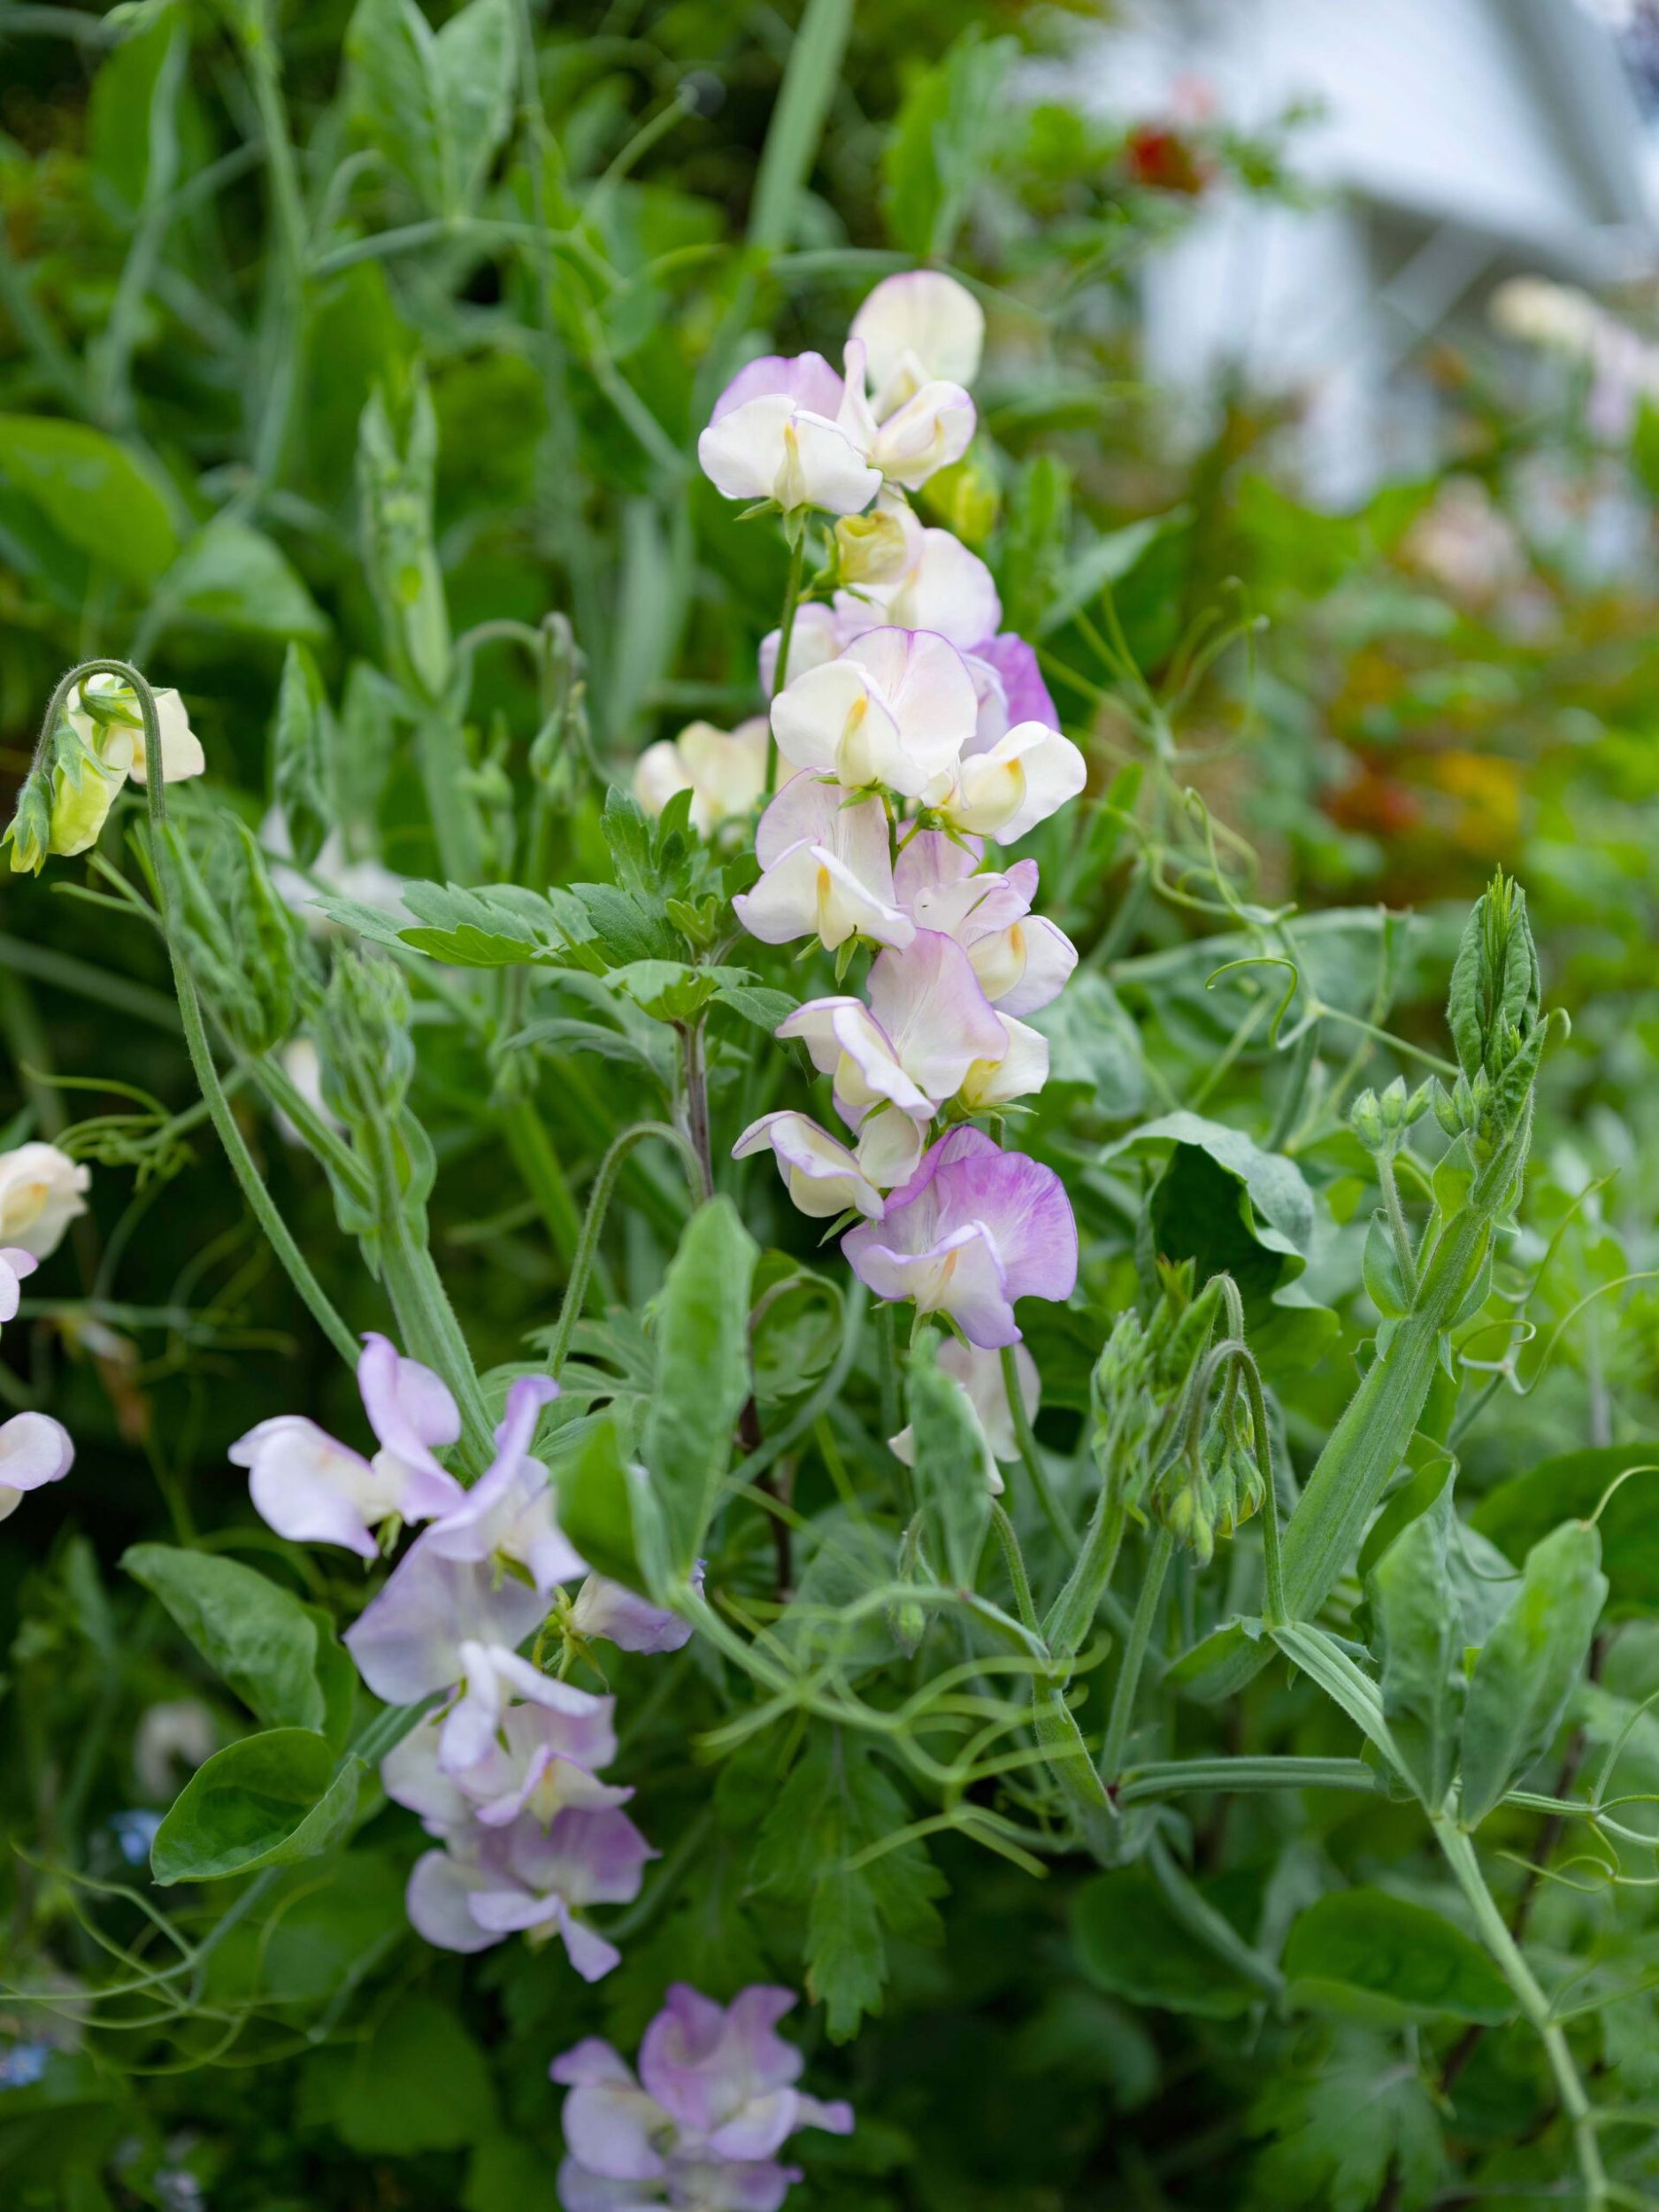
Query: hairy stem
{"points": [[598, 1201]]}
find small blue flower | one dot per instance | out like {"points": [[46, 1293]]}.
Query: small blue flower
{"points": [[134, 1831], [23, 2063]]}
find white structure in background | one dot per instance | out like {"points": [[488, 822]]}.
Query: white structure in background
{"points": [[1460, 141]]}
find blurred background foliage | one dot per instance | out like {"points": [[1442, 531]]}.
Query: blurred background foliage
{"points": [[221, 238]]}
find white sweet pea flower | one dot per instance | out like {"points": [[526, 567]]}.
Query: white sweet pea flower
{"points": [[978, 1375], [918, 327], [14, 1265], [822, 1177], [1021, 959], [895, 709], [114, 750], [826, 870], [1005, 791], [40, 1195], [926, 432], [935, 584], [725, 770], [1019, 1069], [818, 637], [34, 1450], [774, 435]]}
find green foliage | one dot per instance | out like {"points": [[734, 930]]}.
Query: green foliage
{"points": [[268, 1801]]}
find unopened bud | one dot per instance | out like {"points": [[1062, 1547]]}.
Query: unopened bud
{"points": [[870, 548]]}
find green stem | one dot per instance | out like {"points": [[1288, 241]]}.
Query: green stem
{"points": [[1277, 1612], [230, 1136], [1397, 1227], [1014, 1559], [1072, 1613], [1031, 1455], [796, 527], [1179, 1778], [427, 1324], [1136, 1654], [1302, 1055], [1495, 1932], [1200, 1918], [598, 1200], [538, 1164], [694, 1069]]}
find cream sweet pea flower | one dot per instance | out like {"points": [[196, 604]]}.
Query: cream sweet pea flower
{"points": [[113, 750], [40, 1195], [916, 328], [723, 771], [775, 434]]}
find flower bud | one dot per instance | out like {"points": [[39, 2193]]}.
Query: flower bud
{"points": [[870, 548], [1366, 1118]]}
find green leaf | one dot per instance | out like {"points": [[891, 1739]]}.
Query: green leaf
{"points": [[395, 99], [1419, 1638], [1384, 1285], [233, 576], [796, 129], [605, 1509], [1132, 1945], [756, 1003], [1388, 1960], [501, 926], [1518, 1513], [1527, 1668], [1105, 562], [473, 63], [420, 2082], [836, 1803], [268, 1801], [1342, 2132], [267, 1646], [950, 1471], [623, 928], [667, 990], [703, 1374], [93, 491], [954, 120]]}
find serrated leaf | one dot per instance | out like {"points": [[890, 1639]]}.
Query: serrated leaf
{"points": [[1391, 1960]]}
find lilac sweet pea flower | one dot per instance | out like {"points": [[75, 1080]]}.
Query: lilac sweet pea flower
{"points": [[15, 1264], [34, 1450], [311, 1489], [1026, 696], [821, 1175], [513, 1742], [826, 870], [713, 2103], [490, 1882], [1021, 959], [480, 1574], [895, 709], [927, 1024], [774, 434], [973, 1231], [604, 1609]]}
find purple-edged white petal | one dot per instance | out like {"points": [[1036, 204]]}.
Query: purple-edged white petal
{"points": [[1020, 1068], [821, 1175], [15, 1264], [439, 1902], [916, 326], [827, 871], [40, 1194], [889, 1148], [611, 2124], [510, 1515], [895, 709], [314, 1490], [407, 1643], [604, 1608], [34, 1450], [975, 1230], [931, 1008], [771, 448], [816, 638], [805, 378], [979, 1376], [1023, 778], [847, 1043]]}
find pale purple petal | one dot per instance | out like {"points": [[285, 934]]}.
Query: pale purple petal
{"points": [[816, 638], [439, 1900], [34, 1450], [410, 1409], [590, 1856], [15, 1264], [1028, 697], [805, 378], [408, 1642], [580, 2191], [835, 2118], [314, 1490], [703, 2063], [608, 2121], [605, 1609], [822, 1177], [928, 1002], [592, 2060], [412, 1776]]}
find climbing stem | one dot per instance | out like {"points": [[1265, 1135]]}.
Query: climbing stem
{"points": [[594, 1221]]}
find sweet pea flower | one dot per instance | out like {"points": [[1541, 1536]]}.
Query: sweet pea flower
{"points": [[818, 636], [311, 1489], [979, 1376], [513, 1742], [895, 709], [973, 1231], [1021, 959], [481, 1573], [774, 435], [34, 1450], [15, 1264], [486, 1883], [1018, 1069], [912, 440], [822, 1177], [917, 327], [714, 2101], [111, 749], [1005, 790], [40, 1195], [935, 584], [1026, 698], [723, 771], [826, 870], [605, 1609], [927, 1024]]}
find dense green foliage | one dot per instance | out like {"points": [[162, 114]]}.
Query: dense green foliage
{"points": [[350, 377]]}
